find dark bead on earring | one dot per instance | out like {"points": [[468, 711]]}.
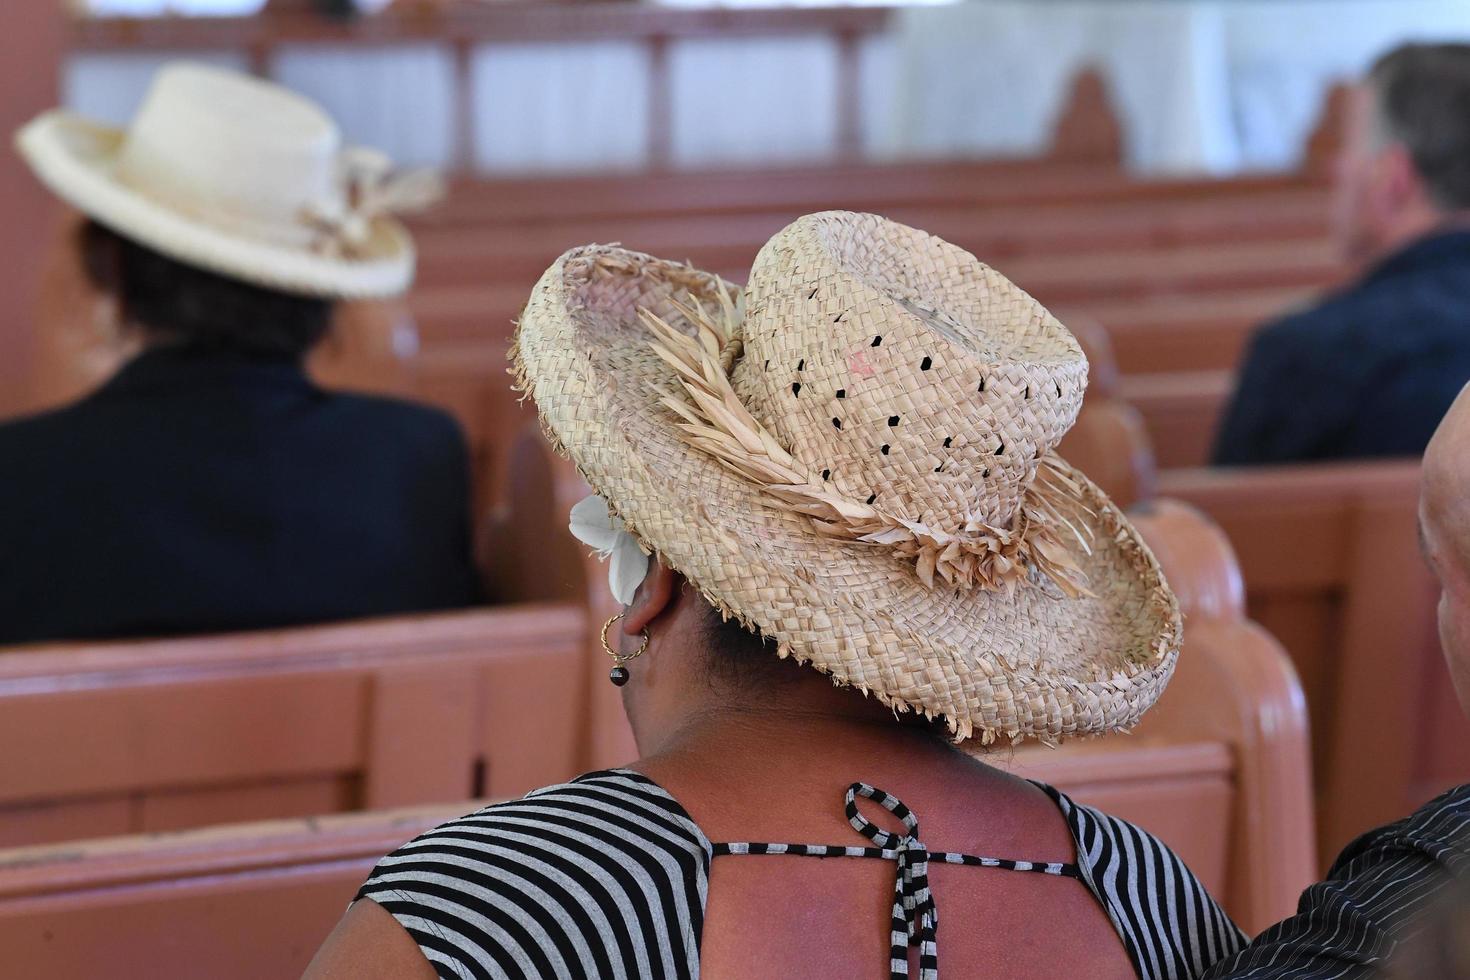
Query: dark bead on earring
{"points": [[618, 675]]}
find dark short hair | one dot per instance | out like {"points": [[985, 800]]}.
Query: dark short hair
{"points": [[181, 303], [1422, 95], [746, 662], [741, 658]]}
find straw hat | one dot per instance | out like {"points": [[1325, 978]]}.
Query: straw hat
{"points": [[240, 177], [854, 456]]}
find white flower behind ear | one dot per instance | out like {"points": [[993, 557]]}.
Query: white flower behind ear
{"points": [[595, 526]]}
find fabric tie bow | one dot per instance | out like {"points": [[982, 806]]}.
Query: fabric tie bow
{"points": [[915, 919]]}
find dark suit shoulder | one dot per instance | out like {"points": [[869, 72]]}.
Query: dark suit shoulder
{"points": [[43, 430], [1309, 328], [396, 413], [423, 430]]}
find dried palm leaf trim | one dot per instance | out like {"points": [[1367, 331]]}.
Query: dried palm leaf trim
{"points": [[1045, 534]]}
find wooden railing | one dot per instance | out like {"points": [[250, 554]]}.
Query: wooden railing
{"points": [[461, 27]]}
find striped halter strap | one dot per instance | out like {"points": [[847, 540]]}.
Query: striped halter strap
{"points": [[915, 920]]}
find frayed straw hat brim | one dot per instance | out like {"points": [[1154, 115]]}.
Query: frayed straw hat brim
{"points": [[76, 160], [994, 665]]}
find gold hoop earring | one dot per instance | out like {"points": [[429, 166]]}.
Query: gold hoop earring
{"points": [[619, 674]]}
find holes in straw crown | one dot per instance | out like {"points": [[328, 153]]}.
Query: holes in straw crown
{"points": [[947, 441], [982, 385], [884, 449], [837, 423], [877, 340], [801, 364], [796, 388], [892, 421], [926, 364], [841, 392], [826, 475], [872, 497]]}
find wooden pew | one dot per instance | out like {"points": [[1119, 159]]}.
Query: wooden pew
{"points": [[1180, 412], [1108, 442], [1218, 769], [236, 902], [1332, 568], [1203, 330], [460, 252], [838, 184], [158, 735]]}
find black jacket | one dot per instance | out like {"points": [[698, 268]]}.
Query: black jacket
{"points": [[1368, 372], [197, 492]]}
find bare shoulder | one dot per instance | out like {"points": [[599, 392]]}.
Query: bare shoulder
{"points": [[369, 944]]}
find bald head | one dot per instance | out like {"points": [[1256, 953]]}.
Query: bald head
{"points": [[1445, 501], [1444, 526]]}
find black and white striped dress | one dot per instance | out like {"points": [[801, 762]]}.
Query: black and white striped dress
{"points": [[606, 877]]}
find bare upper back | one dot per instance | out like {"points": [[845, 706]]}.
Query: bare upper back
{"points": [[611, 876], [831, 917]]}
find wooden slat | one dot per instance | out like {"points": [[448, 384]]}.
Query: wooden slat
{"points": [[464, 21], [127, 739], [872, 186]]}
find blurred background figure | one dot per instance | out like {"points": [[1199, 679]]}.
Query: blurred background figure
{"points": [[209, 484], [1370, 370]]}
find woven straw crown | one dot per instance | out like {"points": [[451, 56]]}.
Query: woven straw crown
{"points": [[853, 456], [908, 382]]}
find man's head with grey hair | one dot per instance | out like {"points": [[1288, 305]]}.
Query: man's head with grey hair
{"points": [[1405, 164]]}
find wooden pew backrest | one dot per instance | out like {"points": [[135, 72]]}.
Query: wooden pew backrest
{"points": [[1332, 568], [236, 902], [157, 735]]}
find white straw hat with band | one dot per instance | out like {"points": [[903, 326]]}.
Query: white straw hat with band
{"points": [[854, 456], [240, 177]]}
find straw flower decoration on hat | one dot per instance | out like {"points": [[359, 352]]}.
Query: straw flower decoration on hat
{"points": [[854, 456]]}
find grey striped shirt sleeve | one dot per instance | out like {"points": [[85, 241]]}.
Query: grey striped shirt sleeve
{"points": [[1376, 896]]}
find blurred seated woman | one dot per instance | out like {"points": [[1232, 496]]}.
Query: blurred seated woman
{"points": [[210, 485], [867, 566]]}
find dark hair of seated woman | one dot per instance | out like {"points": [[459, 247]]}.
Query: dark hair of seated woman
{"points": [[177, 303]]}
